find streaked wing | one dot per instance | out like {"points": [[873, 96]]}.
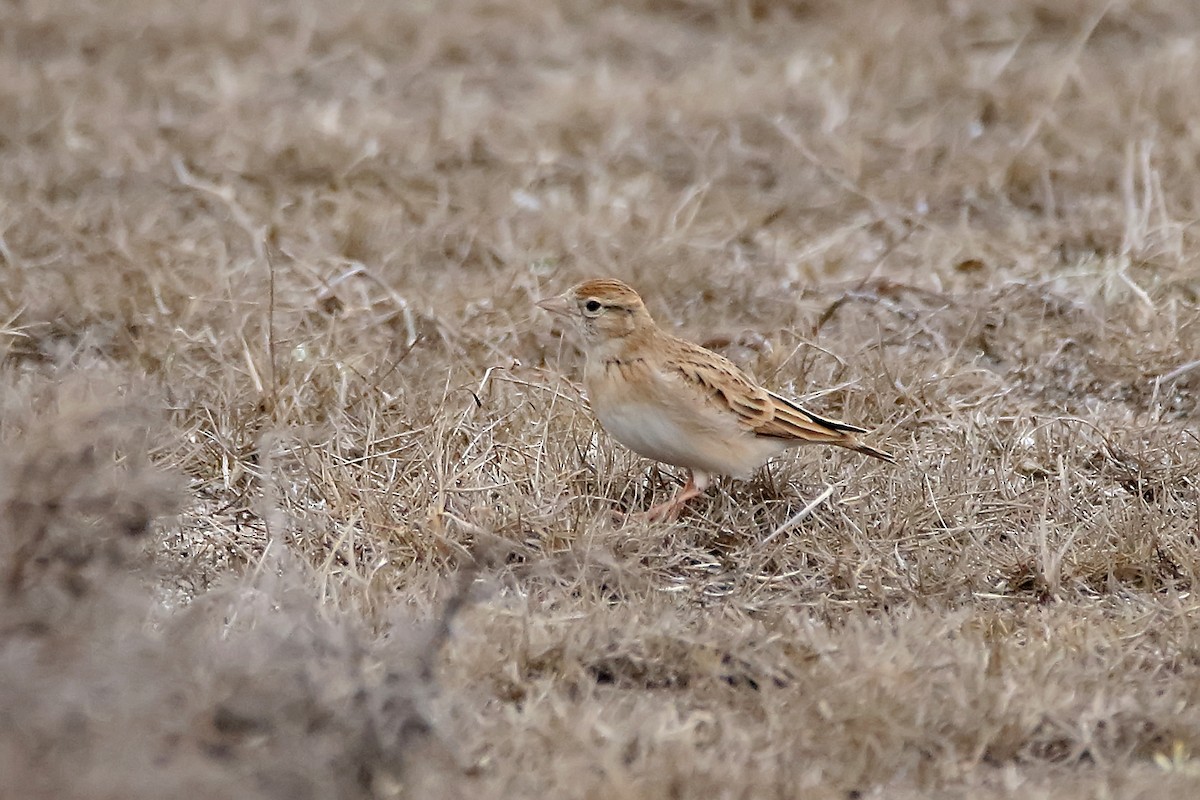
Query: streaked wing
{"points": [[791, 416], [755, 409]]}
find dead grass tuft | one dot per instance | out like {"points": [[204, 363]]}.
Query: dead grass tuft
{"points": [[271, 378], [253, 689]]}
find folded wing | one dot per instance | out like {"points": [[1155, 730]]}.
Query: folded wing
{"points": [[762, 412]]}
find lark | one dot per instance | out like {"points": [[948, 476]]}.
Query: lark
{"points": [[678, 403]]}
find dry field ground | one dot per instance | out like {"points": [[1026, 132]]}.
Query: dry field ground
{"points": [[301, 497]]}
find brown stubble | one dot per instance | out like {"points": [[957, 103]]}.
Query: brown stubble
{"points": [[966, 226]]}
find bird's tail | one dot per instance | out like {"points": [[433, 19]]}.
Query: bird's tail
{"points": [[792, 421], [854, 444]]}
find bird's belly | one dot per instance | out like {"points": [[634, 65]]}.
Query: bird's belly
{"points": [[651, 431]]}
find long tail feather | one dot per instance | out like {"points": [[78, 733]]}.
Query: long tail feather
{"points": [[794, 421], [854, 444], [782, 403]]}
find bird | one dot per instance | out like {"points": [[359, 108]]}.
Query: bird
{"points": [[678, 403]]}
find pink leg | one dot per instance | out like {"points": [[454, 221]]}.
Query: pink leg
{"points": [[696, 484]]}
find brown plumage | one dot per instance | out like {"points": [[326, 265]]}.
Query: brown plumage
{"points": [[674, 401]]}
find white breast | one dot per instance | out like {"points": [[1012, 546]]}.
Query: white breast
{"points": [[704, 443], [648, 431]]}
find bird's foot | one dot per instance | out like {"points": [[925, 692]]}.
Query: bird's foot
{"points": [[668, 511]]}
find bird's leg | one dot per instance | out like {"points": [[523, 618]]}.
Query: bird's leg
{"points": [[670, 509]]}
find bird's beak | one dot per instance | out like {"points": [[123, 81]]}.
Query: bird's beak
{"points": [[558, 304]]}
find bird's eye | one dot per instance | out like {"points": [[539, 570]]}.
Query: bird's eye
{"points": [[592, 306]]}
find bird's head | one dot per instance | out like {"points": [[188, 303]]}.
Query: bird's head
{"points": [[605, 311]]}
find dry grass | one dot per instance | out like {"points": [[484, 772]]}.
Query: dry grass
{"points": [[268, 271]]}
